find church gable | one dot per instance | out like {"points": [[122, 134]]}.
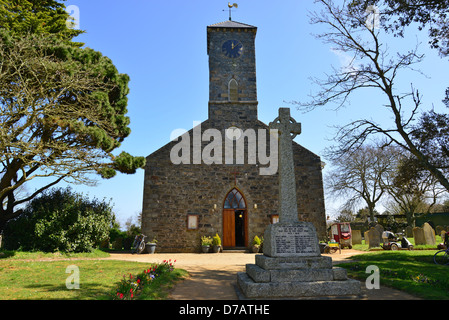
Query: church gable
{"points": [[221, 176]]}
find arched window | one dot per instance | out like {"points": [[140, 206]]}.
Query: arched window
{"points": [[233, 90], [234, 200]]}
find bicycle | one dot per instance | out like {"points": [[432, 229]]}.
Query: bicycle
{"points": [[138, 244], [441, 257]]}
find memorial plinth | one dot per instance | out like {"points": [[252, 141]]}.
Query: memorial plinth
{"points": [[292, 265]]}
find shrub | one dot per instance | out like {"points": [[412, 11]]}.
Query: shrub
{"points": [[206, 241], [216, 241], [256, 241], [60, 220]]}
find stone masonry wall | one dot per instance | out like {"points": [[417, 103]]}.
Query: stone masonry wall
{"points": [[172, 192]]}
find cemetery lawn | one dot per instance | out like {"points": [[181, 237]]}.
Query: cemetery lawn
{"points": [[36, 279], [410, 271]]}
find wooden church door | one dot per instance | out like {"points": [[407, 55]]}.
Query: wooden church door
{"points": [[234, 220], [228, 228]]}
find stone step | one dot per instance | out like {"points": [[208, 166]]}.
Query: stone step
{"points": [[251, 289], [270, 263], [257, 274], [235, 250]]}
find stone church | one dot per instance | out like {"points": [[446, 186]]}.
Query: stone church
{"points": [[198, 190]]}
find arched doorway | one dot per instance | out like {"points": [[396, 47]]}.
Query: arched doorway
{"points": [[235, 220]]}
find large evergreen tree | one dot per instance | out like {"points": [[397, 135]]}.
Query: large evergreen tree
{"points": [[62, 107]]}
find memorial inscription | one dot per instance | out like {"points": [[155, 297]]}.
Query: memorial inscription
{"points": [[294, 239]]}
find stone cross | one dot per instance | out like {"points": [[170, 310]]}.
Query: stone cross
{"points": [[288, 129], [235, 173]]}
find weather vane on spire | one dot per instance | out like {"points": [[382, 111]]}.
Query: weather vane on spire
{"points": [[230, 6]]}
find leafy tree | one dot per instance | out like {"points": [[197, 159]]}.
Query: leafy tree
{"points": [[431, 135], [411, 188], [345, 215], [37, 17], [363, 214], [62, 108], [60, 220], [398, 14]]}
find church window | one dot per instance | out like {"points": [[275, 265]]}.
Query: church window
{"points": [[233, 90], [234, 200]]}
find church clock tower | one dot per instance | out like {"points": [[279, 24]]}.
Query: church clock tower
{"points": [[232, 72]]}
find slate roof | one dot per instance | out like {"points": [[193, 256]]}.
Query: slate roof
{"points": [[231, 24]]}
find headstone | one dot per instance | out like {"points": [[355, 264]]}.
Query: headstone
{"points": [[292, 265], [374, 238], [356, 237], [366, 236], [438, 229], [409, 232], [418, 235], [429, 234], [380, 230], [442, 234]]}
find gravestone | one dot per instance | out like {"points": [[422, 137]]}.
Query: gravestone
{"points": [[292, 265], [356, 237], [380, 230], [438, 229], [418, 235], [409, 231], [429, 234], [366, 237], [373, 237]]}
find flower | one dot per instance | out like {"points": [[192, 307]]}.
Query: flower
{"points": [[129, 287]]}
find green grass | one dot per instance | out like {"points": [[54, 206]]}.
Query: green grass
{"points": [[32, 279], [364, 247], [410, 271]]}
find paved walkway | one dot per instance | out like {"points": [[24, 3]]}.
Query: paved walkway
{"points": [[213, 275]]}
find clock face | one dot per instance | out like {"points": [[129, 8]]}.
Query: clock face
{"points": [[232, 48]]}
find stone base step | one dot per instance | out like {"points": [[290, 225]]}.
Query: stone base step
{"points": [[251, 289], [258, 274], [235, 250]]}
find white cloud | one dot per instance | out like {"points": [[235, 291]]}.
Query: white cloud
{"points": [[346, 60]]}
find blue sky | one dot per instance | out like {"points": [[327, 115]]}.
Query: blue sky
{"points": [[161, 45]]}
